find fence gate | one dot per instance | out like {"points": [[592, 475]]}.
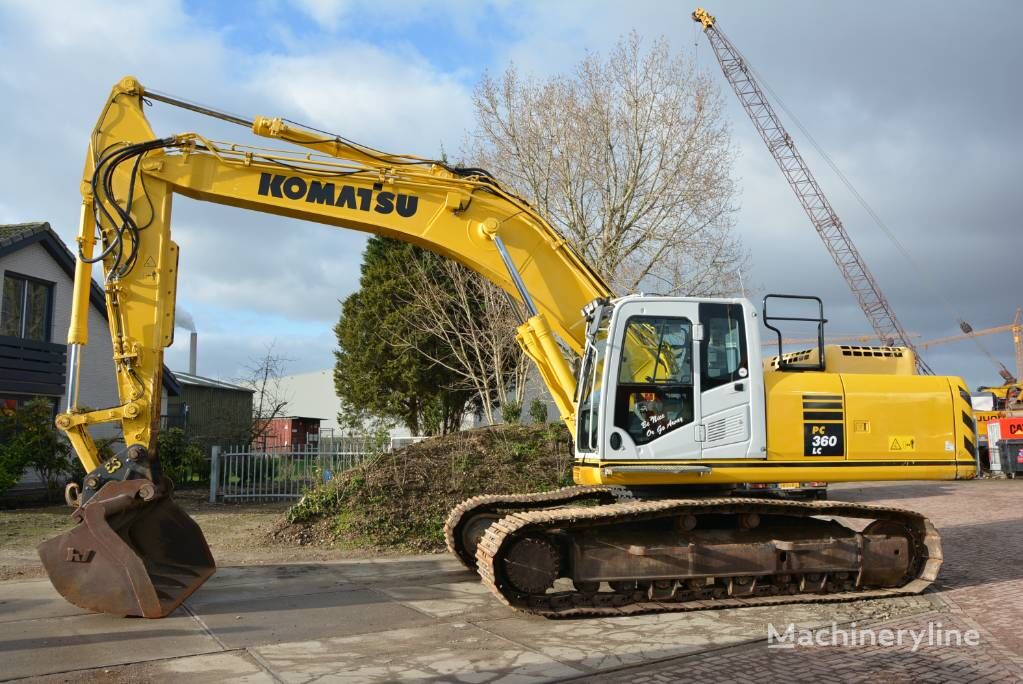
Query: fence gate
{"points": [[245, 474]]}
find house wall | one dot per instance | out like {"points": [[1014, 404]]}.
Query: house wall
{"points": [[97, 383], [313, 394], [216, 416]]}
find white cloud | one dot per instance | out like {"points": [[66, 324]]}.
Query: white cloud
{"points": [[391, 99], [327, 13], [57, 64]]}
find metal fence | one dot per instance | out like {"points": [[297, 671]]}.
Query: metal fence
{"points": [[240, 474]]}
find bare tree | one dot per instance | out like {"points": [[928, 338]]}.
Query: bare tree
{"points": [[264, 375], [476, 321], [631, 160]]}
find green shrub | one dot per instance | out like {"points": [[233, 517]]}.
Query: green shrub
{"points": [[12, 460], [179, 458], [399, 499], [538, 411], [511, 412], [29, 439]]}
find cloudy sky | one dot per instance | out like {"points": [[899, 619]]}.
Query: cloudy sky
{"points": [[918, 103]]}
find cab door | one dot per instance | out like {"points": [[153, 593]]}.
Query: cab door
{"points": [[653, 387], [726, 383]]}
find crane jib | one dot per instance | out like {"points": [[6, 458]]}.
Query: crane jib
{"points": [[363, 199]]}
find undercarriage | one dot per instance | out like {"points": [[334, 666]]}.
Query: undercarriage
{"points": [[593, 551]]}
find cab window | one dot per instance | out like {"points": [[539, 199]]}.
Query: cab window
{"points": [[655, 377], [591, 380], [723, 352]]}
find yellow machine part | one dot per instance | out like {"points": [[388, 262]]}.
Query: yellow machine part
{"points": [[852, 358], [839, 427]]}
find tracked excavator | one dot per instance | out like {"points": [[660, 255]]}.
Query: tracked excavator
{"points": [[671, 405]]}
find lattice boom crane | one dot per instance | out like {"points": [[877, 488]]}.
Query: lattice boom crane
{"points": [[837, 241]]}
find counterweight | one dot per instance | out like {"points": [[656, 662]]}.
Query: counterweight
{"points": [[837, 241]]}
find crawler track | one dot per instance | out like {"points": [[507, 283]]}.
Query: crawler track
{"points": [[503, 504], [550, 523]]}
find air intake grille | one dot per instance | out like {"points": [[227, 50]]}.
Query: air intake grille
{"points": [[795, 357], [723, 428], [883, 352]]}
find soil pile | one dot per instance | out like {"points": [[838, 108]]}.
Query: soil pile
{"points": [[399, 500]]}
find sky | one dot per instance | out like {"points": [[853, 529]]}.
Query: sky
{"points": [[916, 102]]}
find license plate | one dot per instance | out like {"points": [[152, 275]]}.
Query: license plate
{"points": [[788, 485]]}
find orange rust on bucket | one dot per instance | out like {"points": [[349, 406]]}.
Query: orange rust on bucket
{"points": [[133, 552]]}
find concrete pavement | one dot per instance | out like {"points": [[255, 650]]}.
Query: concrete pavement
{"points": [[424, 618]]}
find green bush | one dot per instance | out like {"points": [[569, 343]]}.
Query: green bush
{"points": [[12, 460], [511, 412], [28, 439], [399, 499], [179, 458], [538, 411]]}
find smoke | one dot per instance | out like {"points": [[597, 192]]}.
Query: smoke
{"points": [[183, 319]]}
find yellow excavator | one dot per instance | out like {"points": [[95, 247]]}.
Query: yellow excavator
{"points": [[672, 404]]}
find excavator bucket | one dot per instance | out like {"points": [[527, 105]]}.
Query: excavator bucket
{"points": [[132, 552]]}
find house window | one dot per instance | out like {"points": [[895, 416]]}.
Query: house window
{"points": [[26, 308]]}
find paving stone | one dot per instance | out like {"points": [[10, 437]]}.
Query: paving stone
{"points": [[277, 619], [234, 667], [49, 645], [33, 600], [449, 652]]}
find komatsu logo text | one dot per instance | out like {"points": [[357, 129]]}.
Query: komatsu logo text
{"points": [[351, 197]]}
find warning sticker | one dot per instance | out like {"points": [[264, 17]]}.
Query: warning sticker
{"points": [[901, 443]]}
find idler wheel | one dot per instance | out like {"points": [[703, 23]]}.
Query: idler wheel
{"points": [[473, 531], [532, 564]]}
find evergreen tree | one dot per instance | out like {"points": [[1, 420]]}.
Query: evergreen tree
{"points": [[374, 375]]}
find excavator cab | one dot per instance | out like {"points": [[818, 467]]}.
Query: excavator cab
{"points": [[658, 372]]}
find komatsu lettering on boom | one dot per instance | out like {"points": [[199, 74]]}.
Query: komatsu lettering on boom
{"points": [[348, 196]]}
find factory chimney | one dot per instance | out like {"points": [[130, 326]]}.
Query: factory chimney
{"points": [[193, 343]]}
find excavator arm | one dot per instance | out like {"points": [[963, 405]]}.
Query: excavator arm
{"points": [[128, 185], [129, 182]]}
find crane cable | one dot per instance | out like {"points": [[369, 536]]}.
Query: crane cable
{"points": [[925, 275]]}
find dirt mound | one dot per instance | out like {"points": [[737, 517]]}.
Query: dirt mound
{"points": [[400, 499]]}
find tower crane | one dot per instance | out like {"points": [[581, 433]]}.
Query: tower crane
{"points": [[1016, 328], [823, 216]]}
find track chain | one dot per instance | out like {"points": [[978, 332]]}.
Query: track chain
{"points": [[578, 604], [509, 503]]}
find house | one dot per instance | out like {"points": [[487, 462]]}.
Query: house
{"points": [[292, 432], [211, 412], [37, 274], [313, 394]]}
